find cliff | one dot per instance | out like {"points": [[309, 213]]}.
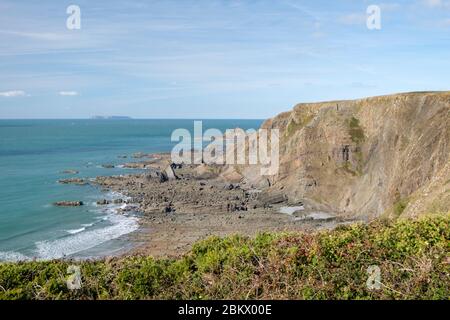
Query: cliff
{"points": [[367, 157]]}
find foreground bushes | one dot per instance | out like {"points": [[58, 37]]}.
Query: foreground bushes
{"points": [[413, 257]]}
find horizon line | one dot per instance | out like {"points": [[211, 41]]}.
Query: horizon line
{"points": [[124, 119]]}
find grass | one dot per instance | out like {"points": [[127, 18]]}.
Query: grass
{"points": [[400, 206], [347, 168], [295, 125], [355, 131], [413, 257]]}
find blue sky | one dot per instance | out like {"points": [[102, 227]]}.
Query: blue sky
{"points": [[211, 58]]}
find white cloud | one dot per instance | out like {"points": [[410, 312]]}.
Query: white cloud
{"points": [[13, 93], [68, 93]]}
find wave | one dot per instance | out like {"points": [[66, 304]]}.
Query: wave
{"points": [[12, 256], [87, 225], [82, 241], [75, 231], [111, 225], [117, 195]]}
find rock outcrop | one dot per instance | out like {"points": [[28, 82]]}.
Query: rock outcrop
{"points": [[170, 173], [68, 204], [77, 181], [367, 157], [70, 171]]}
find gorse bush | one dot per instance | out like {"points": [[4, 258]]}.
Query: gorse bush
{"points": [[412, 256]]}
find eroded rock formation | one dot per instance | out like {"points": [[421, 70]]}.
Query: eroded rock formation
{"points": [[367, 157]]}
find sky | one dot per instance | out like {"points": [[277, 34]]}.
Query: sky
{"points": [[214, 58]]}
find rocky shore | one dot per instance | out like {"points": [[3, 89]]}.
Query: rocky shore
{"points": [[334, 167], [181, 204]]}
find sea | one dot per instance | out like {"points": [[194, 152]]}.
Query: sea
{"points": [[34, 155]]}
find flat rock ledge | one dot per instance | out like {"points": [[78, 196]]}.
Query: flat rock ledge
{"points": [[68, 204], [77, 181]]}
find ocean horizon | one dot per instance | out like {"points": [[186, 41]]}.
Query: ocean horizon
{"points": [[131, 118]]}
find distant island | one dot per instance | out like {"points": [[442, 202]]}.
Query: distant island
{"points": [[111, 118]]}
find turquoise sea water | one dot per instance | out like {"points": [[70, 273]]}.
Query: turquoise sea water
{"points": [[33, 153]]}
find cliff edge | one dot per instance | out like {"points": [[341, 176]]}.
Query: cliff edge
{"points": [[368, 157]]}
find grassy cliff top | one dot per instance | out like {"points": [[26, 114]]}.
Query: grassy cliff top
{"points": [[412, 257]]}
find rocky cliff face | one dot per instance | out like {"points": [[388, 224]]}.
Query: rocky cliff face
{"points": [[387, 154]]}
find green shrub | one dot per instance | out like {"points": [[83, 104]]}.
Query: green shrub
{"points": [[355, 130], [400, 206], [412, 256]]}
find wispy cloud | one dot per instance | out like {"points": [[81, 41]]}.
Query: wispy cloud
{"points": [[160, 57], [35, 35], [436, 3], [68, 93], [12, 93], [353, 19], [391, 6]]}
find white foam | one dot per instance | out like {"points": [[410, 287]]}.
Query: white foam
{"points": [[73, 244], [78, 240], [87, 225], [117, 195], [75, 231], [12, 256]]}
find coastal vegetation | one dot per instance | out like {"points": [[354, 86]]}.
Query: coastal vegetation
{"points": [[411, 255], [355, 130]]}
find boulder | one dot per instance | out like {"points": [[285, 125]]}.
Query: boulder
{"points": [[167, 209], [231, 175], [205, 172], [268, 198], [232, 186], [103, 202], [252, 176], [69, 172], [233, 207], [77, 181], [68, 203], [176, 165], [157, 175], [170, 174]]}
